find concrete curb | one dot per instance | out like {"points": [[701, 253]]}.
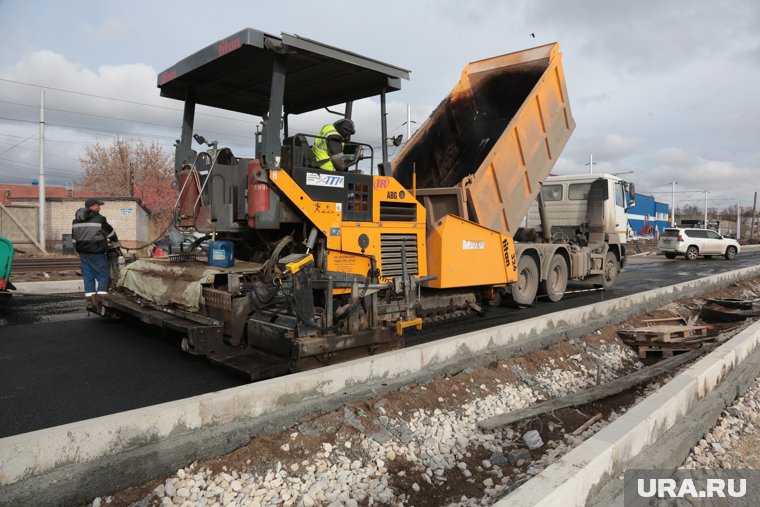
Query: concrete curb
{"points": [[78, 461], [576, 475], [672, 448]]}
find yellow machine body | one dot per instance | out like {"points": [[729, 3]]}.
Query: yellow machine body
{"points": [[351, 244], [464, 254]]}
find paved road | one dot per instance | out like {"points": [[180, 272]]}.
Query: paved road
{"points": [[57, 365], [73, 367]]}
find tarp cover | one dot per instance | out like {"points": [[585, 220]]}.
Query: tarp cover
{"points": [[165, 283]]}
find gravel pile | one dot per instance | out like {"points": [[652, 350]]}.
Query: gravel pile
{"points": [[732, 443], [424, 449]]}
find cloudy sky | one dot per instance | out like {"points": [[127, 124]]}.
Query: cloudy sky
{"points": [[667, 90]]}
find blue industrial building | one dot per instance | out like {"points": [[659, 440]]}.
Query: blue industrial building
{"points": [[648, 217]]}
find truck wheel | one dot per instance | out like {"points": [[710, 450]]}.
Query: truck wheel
{"points": [[525, 288], [556, 280], [730, 253], [692, 253], [611, 270]]}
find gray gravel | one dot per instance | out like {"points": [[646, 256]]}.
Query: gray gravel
{"points": [[433, 445], [720, 447]]}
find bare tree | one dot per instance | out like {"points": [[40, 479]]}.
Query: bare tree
{"points": [[134, 170], [690, 209], [728, 213]]}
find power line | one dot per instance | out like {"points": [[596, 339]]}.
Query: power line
{"points": [[50, 153], [33, 165], [59, 172], [121, 119], [18, 143], [123, 100]]}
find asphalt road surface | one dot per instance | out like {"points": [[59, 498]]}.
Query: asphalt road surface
{"points": [[58, 365]]}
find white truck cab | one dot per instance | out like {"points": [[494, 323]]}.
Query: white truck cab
{"points": [[566, 201]]}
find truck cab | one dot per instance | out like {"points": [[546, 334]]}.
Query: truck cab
{"points": [[566, 199]]}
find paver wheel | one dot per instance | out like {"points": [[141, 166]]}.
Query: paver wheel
{"points": [[525, 288], [556, 280]]}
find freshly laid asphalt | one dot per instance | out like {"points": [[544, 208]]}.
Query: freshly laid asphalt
{"points": [[59, 365], [61, 371]]}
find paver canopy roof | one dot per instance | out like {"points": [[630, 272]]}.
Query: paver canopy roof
{"points": [[235, 73]]}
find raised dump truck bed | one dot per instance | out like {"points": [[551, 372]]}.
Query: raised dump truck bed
{"points": [[492, 141]]}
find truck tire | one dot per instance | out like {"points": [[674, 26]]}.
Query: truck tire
{"points": [[670, 255], [611, 270], [525, 288], [692, 253], [556, 279], [730, 253]]}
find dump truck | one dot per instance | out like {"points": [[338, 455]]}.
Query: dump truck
{"points": [[484, 154], [307, 266]]}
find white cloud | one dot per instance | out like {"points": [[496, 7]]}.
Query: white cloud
{"points": [[695, 174], [112, 28], [665, 89]]}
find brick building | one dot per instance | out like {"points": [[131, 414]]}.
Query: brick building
{"points": [[10, 192], [127, 215]]}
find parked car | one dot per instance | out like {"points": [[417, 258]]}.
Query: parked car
{"points": [[691, 243]]}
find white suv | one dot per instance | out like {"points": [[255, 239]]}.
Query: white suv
{"points": [[692, 243]]}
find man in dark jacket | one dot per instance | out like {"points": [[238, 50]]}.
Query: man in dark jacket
{"points": [[91, 233]]}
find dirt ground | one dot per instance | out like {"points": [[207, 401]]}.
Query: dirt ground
{"points": [[449, 393]]}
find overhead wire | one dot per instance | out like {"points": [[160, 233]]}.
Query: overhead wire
{"points": [[18, 144], [134, 102], [93, 115]]}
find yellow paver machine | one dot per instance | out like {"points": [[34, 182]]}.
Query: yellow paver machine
{"points": [[330, 265]]}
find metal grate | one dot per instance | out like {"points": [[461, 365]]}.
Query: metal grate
{"points": [[390, 254], [398, 211], [182, 258], [215, 298]]}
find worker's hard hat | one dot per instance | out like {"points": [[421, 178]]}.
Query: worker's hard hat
{"points": [[345, 127]]}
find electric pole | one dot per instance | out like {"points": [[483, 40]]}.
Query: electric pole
{"points": [[738, 220], [754, 210], [41, 186]]}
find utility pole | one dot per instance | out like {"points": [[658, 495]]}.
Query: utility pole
{"points": [[41, 187], [673, 204], [590, 163], [752, 226], [738, 220], [705, 191], [131, 180], [408, 122]]}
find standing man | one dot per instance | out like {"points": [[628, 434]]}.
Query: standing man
{"points": [[328, 148], [91, 233]]}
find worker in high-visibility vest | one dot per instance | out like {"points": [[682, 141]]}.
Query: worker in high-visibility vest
{"points": [[328, 147]]}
